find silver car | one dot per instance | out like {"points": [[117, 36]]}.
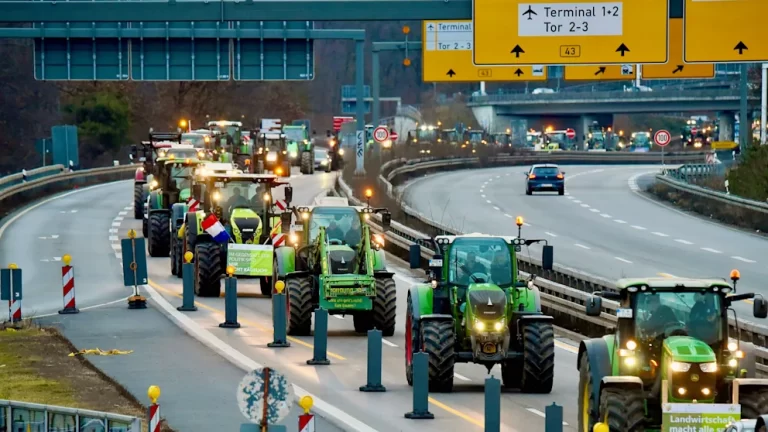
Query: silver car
{"points": [[742, 426], [322, 160]]}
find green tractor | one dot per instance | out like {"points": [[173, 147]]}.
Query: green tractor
{"points": [[170, 185], [229, 142], [234, 225], [271, 154], [333, 262], [672, 344], [300, 148], [474, 309]]}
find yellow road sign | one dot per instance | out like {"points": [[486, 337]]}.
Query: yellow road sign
{"points": [[725, 31], [567, 32], [676, 67], [447, 57], [599, 73]]}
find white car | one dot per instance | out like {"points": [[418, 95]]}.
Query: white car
{"points": [[742, 426], [322, 160]]}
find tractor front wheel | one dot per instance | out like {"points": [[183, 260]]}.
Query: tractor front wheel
{"points": [[754, 401], [439, 340], [177, 256], [623, 409], [138, 204], [307, 164], [299, 292], [159, 234], [267, 283], [385, 306], [586, 403], [208, 270], [412, 334], [538, 357]]}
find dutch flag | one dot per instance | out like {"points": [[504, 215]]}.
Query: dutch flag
{"points": [[212, 226]]}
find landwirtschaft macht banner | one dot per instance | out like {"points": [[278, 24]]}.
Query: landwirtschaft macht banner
{"points": [[250, 260], [702, 417]]}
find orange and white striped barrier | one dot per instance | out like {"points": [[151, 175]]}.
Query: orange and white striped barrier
{"points": [[15, 310], [306, 420], [68, 286], [154, 409]]}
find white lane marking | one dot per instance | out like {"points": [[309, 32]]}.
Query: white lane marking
{"points": [[711, 250], [498, 176], [659, 234], [685, 242], [571, 198], [338, 317], [45, 260], [550, 234], [619, 221], [116, 224], [482, 196], [594, 210], [123, 213], [57, 258], [113, 238], [577, 201], [119, 218], [488, 201], [129, 207], [638, 227], [386, 342], [73, 211], [113, 230], [116, 247], [540, 414], [508, 215], [461, 377], [496, 208], [581, 246], [54, 236], [743, 259], [585, 205], [119, 255], [605, 215], [623, 260], [247, 364]]}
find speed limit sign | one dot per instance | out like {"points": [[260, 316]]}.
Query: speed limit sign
{"points": [[381, 134], [662, 138]]}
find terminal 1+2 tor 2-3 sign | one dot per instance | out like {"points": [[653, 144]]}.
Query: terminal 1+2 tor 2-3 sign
{"points": [[447, 57], [543, 32]]}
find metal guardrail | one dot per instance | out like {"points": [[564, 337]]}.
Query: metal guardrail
{"points": [[563, 290], [34, 174], [23, 416], [674, 181], [602, 96]]}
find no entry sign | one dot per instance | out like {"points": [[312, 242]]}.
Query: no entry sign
{"points": [[662, 138], [570, 133], [381, 134]]}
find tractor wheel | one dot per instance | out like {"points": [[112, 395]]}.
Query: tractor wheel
{"points": [[174, 267], [208, 270], [754, 401], [266, 284], [538, 358], [260, 167], [362, 321], [586, 404], [138, 204], [299, 292], [411, 340], [178, 256], [306, 163], [159, 234], [439, 340], [385, 306], [144, 227], [623, 409]]}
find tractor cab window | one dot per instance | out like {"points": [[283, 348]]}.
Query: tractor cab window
{"points": [[476, 137], [296, 135], [272, 142], [663, 314], [232, 195], [426, 134], [341, 224], [480, 260], [195, 139], [182, 176], [183, 153]]}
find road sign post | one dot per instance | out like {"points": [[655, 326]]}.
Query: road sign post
{"points": [[420, 388], [134, 268], [662, 138], [492, 405], [447, 57], [11, 291], [566, 32], [737, 40], [265, 398], [230, 300]]}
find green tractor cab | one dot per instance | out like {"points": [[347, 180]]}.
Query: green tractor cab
{"points": [[229, 143], [333, 262], [271, 154], [242, 204], [300, 148], [171, 185], [335, 152], [672, 344], [147, 153], [474, 309]]}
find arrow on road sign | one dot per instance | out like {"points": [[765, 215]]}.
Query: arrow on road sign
{"points": [[600, 71], [431, 27], [679, 68], [517, 51], [450, 73], [741, 47], [518, 72], [622, 49]]}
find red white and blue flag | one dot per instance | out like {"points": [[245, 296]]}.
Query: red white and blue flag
{"points": [[212, 226]]}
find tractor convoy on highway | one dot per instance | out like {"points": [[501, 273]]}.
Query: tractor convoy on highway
{"points": [[673, 342]]}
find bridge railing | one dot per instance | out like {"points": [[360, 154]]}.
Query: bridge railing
{"points": [[563, 290], [24, 416], [18, 178], [673, 94]]}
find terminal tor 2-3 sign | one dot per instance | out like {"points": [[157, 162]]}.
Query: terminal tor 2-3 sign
{"points": [[599, 32], [447, 57], [201, 51]]}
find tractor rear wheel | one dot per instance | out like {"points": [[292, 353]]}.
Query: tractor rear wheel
{"points": [[266, 283], [623, 409], [411, 340], [177, 259], [586, 403], [538, 357], [208, 270], [306, 163], [138, 204], [385, 306], [299, 292], [159, 234], [754, 401], [439, 340], [144, 227]]}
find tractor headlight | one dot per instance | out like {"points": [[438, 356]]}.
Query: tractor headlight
{"points": [[479, 326], [498, 326], [630, 361], [341, 152], [293, 238], [733, 346], [708, 367], [631, 345], [378, 239], [271, 157], [293, 155], [200, 154], [216, 196], [324, 162], [680, 366], [733, 362], [153, 184]]}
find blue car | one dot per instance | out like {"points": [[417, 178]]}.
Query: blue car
{"points": [[545, 178]]}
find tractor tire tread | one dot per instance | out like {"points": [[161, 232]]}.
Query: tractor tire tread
{"points": [[385, 306], [138, 204], [299, 292], [159, 235], [623, 409], [754, 402], [538, 358], [209, 268], [439, 341]]}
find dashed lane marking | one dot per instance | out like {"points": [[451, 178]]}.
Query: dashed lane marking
{"points": [[623, 260], [638, 227], [582, 246], [488, 201], [743, 259], [496, 208], [461, 377], [659, 234], [685, 242], [619, 221], [540, 414], [386, 342], [550, 234], [585, 205], [711, 250], [594, 210], [577, 201], [605, 215]]}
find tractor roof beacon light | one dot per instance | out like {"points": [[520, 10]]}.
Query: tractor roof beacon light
{"points": [[735, 276], [368, 195], [519, 223]]}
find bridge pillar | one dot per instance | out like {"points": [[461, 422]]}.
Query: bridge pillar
{"points": [[726, 120]]}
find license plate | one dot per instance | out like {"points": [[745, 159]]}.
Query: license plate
{"points": [[489, 348], [546, 185], [435, 263]]}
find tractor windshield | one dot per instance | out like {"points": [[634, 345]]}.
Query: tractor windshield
{"points": [[272, 142], [230, 195], [695, 314], [194, 139], [182, 176], [341, 223], [476, 260], [295, 134]]}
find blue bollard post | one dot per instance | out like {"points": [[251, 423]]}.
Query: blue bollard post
{"points": [[230, 300], [280, 339], [420, 388], [492, 405], [554, 420], [374, 363], [414, 256], [253, 427], [188, 291], [320, 353]]}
